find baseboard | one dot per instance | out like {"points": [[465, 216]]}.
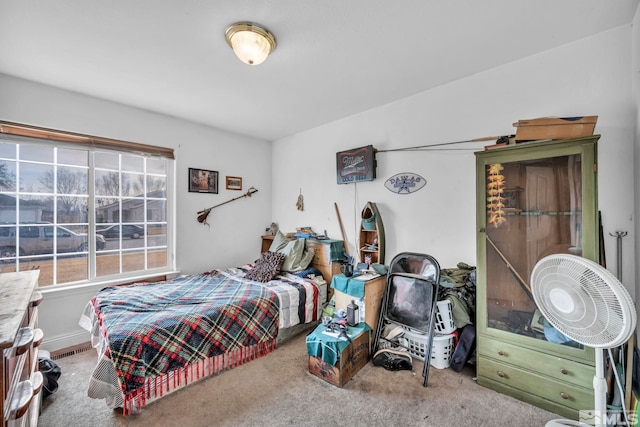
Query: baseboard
{"points": [[70, 351], [61, 342]]}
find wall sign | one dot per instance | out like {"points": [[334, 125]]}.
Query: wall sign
{"points": [[405, 183], [356, 165]]}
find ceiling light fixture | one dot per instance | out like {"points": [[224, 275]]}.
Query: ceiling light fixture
{"points": [[251, 43]]}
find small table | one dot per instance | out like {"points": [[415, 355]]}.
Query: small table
{"points": [[371, 292]]}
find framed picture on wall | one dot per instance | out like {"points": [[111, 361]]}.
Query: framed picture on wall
{"points": [[203, 181], [234, 183]]}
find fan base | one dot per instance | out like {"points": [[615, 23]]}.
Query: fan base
{"points": [[560, 423]]}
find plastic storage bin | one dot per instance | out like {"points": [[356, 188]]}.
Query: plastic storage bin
{"points": [[444, 319], [415, 343], [441, 347], [441, 351]]}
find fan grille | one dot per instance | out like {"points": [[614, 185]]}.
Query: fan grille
{"points": [[583, 300]]}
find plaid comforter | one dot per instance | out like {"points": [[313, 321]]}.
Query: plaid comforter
{"points": [[154, 328]]}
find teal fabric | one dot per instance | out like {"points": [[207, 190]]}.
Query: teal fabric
{"points": [[348, 286], [329, 348], [336, 249]]}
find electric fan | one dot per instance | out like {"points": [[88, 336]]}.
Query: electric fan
{"points": [[589, 305]]}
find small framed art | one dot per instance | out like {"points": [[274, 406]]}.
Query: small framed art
{"points": [[203, 181], [234, 183]]}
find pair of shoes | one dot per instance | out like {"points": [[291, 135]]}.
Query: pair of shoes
{"points": [[390, 334], [392, 360]]}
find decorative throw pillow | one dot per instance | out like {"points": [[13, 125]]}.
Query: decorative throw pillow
{"points": [[279, 242], [267, 267]]}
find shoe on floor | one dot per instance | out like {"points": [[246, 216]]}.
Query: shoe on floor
{"points": [[397, 345], [392, 360], [390, 334]]}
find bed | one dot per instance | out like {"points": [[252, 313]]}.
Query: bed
{"points": [[154, 338]]}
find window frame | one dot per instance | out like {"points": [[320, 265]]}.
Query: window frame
{"points": [[26, 134]]}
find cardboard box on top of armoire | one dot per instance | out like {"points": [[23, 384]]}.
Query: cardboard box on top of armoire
{"points": [[555, 128]]}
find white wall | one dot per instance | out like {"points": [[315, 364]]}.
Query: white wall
{"points": [[635, 81], [584, 78], [589, 77], [234, 235]]}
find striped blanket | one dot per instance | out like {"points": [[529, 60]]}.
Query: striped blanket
{"points": [[298, 298], [154, 330]]}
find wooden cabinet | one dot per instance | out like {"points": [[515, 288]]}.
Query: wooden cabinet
{"points": [[371, 301], [533, 200], [267, 240], [21, 382]]}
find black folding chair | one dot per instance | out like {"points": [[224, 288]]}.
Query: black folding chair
{"points": [[410, 297]]}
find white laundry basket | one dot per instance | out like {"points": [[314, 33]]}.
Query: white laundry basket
{"points": [[441, 351], [444, 318], [441, 347]]}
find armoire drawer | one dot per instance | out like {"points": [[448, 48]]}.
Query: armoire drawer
{"points": [[545, 364], [559, 392]]}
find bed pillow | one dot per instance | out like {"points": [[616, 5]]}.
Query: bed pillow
{"points": [[303, 262], [267, 267], [279, 242], [297, 257]]}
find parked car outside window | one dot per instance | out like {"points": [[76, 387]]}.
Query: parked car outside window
{"points": [[128, 230], [38, 240]]}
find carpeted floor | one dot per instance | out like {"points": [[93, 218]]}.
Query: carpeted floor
{"points": [[278, 390]]}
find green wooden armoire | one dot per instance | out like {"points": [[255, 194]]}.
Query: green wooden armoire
{"points": [[533, 199]]}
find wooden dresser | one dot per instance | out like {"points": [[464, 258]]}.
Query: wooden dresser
{"points": [[323, 261], [21, 382]]}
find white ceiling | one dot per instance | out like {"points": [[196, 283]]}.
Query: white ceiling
{"points": [[334, 58]]}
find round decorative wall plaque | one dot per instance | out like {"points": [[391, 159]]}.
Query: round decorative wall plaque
{"points": [[405, 183]]}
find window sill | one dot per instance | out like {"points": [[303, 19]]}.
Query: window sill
{"points": [[61, 290]]}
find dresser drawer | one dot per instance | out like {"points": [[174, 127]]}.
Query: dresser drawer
{"points": [[321, 255], [546, 364], [20, 381], [558, 392]]}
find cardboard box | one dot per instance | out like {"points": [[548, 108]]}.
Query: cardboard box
{"points": [[351, 360], [555, 128]]}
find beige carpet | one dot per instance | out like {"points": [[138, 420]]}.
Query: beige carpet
{"points": [[278, 390]]}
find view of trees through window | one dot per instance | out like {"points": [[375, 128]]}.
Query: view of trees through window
{"points": [[81, 215]]}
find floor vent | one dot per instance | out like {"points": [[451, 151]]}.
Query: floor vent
{"points": [[71, 351]]}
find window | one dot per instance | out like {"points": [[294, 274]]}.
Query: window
{"points": [[84, 214]]}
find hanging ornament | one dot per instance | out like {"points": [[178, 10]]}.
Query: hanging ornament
{"points": [[495, 195], [300, 202]]}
